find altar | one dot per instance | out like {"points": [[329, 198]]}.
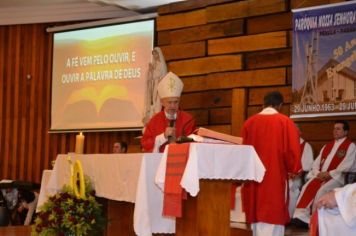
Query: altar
{"points": [[138, 178]]}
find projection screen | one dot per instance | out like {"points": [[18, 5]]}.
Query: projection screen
{"points": [[99, 76]]}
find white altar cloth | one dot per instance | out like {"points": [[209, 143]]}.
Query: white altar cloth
{"points": [[216, 161], [148, 217], [206, 161], [44, 191], [131, 177], [114, 176], [121, 177]]}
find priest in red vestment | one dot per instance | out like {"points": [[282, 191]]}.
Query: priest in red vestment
{"points": [[171, 122], [326, 174], [276, 140]]}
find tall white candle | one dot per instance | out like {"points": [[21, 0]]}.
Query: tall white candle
{"points": [[79, 143]]}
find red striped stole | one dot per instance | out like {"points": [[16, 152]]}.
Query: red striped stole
{"points": [[173, 193], [313, 186], [314, 226]]}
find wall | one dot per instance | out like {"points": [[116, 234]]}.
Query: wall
{"points": [[229, 53]]}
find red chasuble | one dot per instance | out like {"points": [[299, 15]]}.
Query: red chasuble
{"points": [[276, 141], [158, 124]]}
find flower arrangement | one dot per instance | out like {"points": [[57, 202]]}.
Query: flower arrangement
{"points": [[67, 214]]}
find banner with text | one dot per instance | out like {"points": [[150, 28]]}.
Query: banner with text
{"points": [[324, 55]]}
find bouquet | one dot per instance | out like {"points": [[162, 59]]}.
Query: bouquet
{"points": [[66, 214]]}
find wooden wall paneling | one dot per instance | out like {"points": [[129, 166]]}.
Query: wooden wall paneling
{"points": [[97, 142], [290, 38], [63, 149], [289, 75], [35, 81], [88, 143], [316, 147], [320, 132], [269, 58], [104, 144], [209, 31], [181, 20], [226, 80], [239, 111], [163, 38], [15, 104], [219, 116], [248, 43], [72, 143], [8, 97], [201, 116], [270, 23], [102, 140], [252, 110], [216, 98], [47, 154], [47, 47], [206, 65], [324, 130], [193, 83], [94, 146], [183, 51], [31, 121], [2, 77], [256, 95], [242, 9], [226, 129], [187, 5], [54, 146], [40, 106], [134, 143], [310, 3], [22, 145], [89, 147]]}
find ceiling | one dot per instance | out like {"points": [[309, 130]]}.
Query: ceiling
{"points": [[41, 11]]}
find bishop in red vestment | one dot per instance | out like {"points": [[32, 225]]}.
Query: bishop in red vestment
{"points": [[171, 122]]}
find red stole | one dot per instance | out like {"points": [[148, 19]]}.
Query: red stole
{"points": [[314, 226], [314, 185], [173, 193], [302, 145]]}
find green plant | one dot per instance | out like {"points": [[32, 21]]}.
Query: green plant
{"points": [[65, 214]]}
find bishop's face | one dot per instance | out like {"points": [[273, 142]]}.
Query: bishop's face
{"points": [[171, 105]]}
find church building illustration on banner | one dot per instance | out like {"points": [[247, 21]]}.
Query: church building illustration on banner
{"points": [[324, 68]]}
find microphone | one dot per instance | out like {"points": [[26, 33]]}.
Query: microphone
{"points": [[171, 138], [171, 123]]}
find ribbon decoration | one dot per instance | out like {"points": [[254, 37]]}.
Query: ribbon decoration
{"points": [[76, 173]]}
